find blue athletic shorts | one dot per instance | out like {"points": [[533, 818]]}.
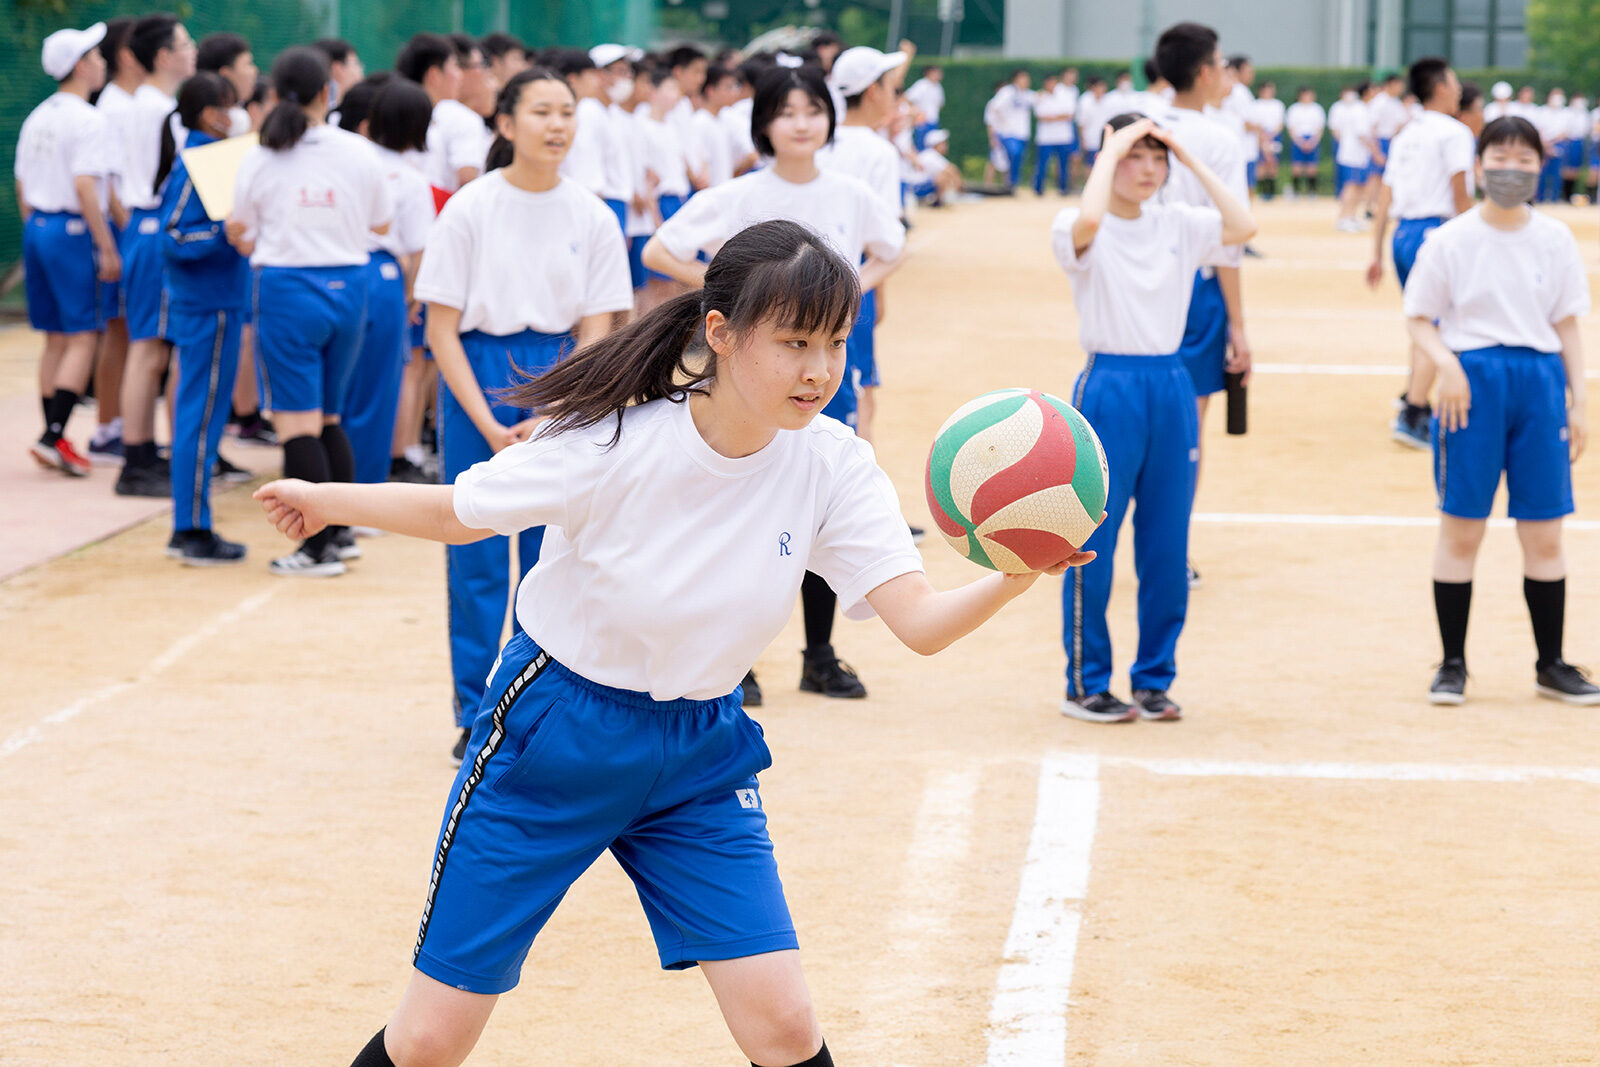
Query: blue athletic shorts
{"points": [[1250, 173], [1356, 175], [1205, 335], [1572, 154], [418, 331], [669, 205], [1517, 424], [1408, 237], [60, 271], [1305, 156], [558, 770], [636, 269], [111, 306], [861, 347], [144, 295], [310, 322]]}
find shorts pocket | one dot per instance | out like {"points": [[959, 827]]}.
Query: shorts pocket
{"points": [[535, 737]]}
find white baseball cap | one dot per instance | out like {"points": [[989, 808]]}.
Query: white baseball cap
{"points": [[1500, 90], [64, 48], [856, 69], [604, 55]]}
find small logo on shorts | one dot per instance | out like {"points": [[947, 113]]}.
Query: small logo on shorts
{"points": [[783, 544], [748, 799]]}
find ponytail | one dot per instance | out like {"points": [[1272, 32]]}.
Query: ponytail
{"points": [[284, 126], [202, 90], [299, 76], [501, 152], [169, 149]]}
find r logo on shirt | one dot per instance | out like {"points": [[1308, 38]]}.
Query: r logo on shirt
{"points": [[783, 544]]}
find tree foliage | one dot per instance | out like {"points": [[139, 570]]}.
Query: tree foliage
{"points": [[1564, 41]]}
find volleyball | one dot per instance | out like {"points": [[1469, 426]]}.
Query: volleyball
{"points": [[1016, 480]]}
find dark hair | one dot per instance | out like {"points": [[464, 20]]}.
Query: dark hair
{"points": [[1152, 71], [421, 54], [298, 75], [1182, 50], [1509, 129], [1239, 60], [1305, 89], [1094, 79], [398, 115], [682, 56], [337, 49], [1363, 87], [1118, 122], [717, 73], [355, 106], [497, 44], [1268, 84], [150, 35], [117, 31], [465, 45], [1426, 75], [779, 271], [1017, 73], [772, 92], [751, 69], [570, 61], [258, 95], [501, 152], [218, 50], [204, 89], [1470, 94], [932, 67]]}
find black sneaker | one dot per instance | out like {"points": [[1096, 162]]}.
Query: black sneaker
{"points": [[751, 690], [203, 548], [344, 546], [1156, 706], [143, 481], [258, 432], [823, 672], [1412, 427], [304, 562], [1101, 707], [230, 474], [402, 469], [1562, 681], [459, 752], [1450, 683], [1193, 576]]}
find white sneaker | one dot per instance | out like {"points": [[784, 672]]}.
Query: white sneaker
{"points": [[301, 563]]}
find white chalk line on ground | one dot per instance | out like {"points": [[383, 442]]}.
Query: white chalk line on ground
{"points": [[1028, 1021], [1245, 518], [941, 840], [1354, 370], [1358, 772], [174, 652]]}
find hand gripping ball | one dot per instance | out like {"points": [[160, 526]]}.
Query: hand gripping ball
{"points": [[1016, 480]]}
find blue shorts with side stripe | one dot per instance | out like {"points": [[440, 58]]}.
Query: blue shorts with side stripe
{"points": [[1408, 238], [560, 769]]}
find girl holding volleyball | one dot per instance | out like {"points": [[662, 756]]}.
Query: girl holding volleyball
{"points": [[1132, 264], [791, 120], [687, 486], [518, 264]]}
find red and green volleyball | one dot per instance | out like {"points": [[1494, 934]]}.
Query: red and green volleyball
{"points": [[1016, 480]]}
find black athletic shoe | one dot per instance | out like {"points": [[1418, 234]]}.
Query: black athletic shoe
{"points": [[143, 481], [1156, 706], [203, 548], [1193, 575], [1101, 707], [917, 534], [229, 474], [1450, 683], [459, 752], [344, 545], [823, 672], [1562, 681], [751, 689], [402, 469]]}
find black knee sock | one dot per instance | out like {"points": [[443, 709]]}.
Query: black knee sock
{"points": [[305, 457], [341, 460], [57, 410], [1594, 189], [1547, 607], [1568, 187], [1311, 181], [44, 406], [1452, 601], [821, 1059], [817, 602], [374, 1055]]}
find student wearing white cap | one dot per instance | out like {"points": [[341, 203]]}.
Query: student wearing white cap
{"points": [[616, 84], [67, 246], [867, 79], [1499, 104], [935, 176]]}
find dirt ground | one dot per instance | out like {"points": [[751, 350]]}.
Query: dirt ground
{"points": [[219, 791]]}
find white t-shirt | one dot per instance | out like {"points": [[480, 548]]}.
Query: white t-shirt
{"points": [[1577, 122], [1423, 158], [1551, 122], [313, 205], [663, 154], [1493, 287], [1092, 118], [636, 223], [1053, 112], [930, 162], [141, 147], [713, 149], [1118, 101], [1218, 147], [1013, 112], [62, 139], [736, 117], [1497, 109], [1269, 116], [1354, 131], [848, 215], [1240, 103], [1305, 121], [669, 568], [512, 260], [457, 138], [413, 207], [114, 104], [588, 160], [1132, 285], [862, 153], [1388, 115], [928, 96]]}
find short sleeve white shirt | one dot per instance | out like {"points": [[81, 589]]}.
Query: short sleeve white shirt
{"points": [[667, 567], [313, 205], [928, 96], [1354, 132], [62, 139], [1305, 121], [457, 138], [114, 104], [664, 154], [1092, 117], [1053, 113], [1495, 287], [1014, 112], [588, 158], [512, 260], [864, 154], [1423, 157], [1269, 116], [413, 206], [1131, 286], [1241, 104], [841, 209], [736, 117], [1218, 147], [1389, 114], [713, 149], [141, 147]]}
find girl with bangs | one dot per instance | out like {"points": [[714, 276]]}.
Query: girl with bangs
{"points": [[686, 487]]}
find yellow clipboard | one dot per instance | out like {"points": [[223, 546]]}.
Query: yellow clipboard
{"points": [[213, 168]]}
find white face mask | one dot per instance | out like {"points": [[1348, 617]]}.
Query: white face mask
{"points": [[1558, 101], [621, 89], [238, 122]]}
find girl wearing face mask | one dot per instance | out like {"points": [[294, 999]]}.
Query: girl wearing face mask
{"points": [[1506, 286], [518, 265], [688, 485], [208, 286], [1132, 263], [792, 119]]}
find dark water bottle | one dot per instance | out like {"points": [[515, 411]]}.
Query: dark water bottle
{"points": [[1238, 406]]}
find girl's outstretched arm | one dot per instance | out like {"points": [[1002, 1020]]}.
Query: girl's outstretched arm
{"points": [[300, 509]]}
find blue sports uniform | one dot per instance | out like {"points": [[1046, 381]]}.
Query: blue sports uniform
{"points": [[1305, 156], [144, 293], [207, 289], [1407, 242], [372, 395], [1062, 154], [1204, 350], [670, 204], [310, 322], [60, 273], [1015, 149]]}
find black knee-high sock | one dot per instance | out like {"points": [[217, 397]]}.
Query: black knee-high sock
{"points": [[305, 457], [57, 410], [1594, 188], [341, 459], [1547, 607], [1568, 186], [1311, 180], [374, 1055], [817, 603], [821, 1059], [44, 406], [1453, 601]]}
